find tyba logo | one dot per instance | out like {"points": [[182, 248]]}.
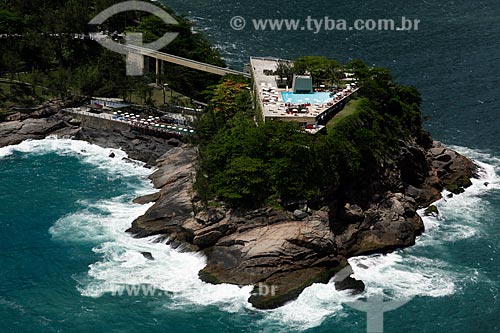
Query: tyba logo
{"points": [[134, 41]]}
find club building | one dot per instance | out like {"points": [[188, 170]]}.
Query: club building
{"points": [[310, 106]]}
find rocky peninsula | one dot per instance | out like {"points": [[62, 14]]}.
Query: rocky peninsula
{"points": [[289, 250], [292, 250]]}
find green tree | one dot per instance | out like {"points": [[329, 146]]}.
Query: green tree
{"points": [[243, 182]]}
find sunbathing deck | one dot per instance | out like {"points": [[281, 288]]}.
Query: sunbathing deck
{"points": [[271, 100], [150, 123]]}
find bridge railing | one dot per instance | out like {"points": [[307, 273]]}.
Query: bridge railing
{"points": [[184, 62]]}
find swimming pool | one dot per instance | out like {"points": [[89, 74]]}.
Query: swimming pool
{"points": [[317, 97]]}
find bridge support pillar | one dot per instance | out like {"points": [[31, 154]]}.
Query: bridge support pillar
{"points": [[157, 71]]}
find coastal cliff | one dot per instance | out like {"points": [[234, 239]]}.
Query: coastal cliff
{"points": [[292, 250]]}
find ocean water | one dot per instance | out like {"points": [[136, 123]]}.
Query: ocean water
{"points": [[65, 259], [64, 205]]}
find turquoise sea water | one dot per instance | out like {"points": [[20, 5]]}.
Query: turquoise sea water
{"points": [[64, 205]]}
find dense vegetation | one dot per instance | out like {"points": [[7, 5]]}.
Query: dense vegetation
{"points": [[38, 46], [250, 165], [323, 70]]}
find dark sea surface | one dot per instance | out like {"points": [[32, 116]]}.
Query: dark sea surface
{"points": [[64, 204]]}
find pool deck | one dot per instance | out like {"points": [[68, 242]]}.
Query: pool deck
{"points": [[271, 101]]}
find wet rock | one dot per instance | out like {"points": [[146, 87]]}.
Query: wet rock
{"points": [[15, 132], [431, 211], [350, 283], [148, 255], [173, 142]]}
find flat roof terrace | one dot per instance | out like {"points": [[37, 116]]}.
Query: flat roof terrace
{"points": [[305, 109]]}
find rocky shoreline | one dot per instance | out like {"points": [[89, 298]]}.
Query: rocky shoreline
{"points": [[48, 120], [287, 251]]}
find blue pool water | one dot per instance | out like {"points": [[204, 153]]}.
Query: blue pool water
{"points": [[317, 97]]}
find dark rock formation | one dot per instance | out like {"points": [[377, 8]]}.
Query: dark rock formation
{"points": [[386, 225], [350, 283], [431, 211], [280, 252], [300, 214], [148, 255], [15, 132]]}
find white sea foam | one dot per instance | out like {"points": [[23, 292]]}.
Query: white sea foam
{"points": [[89, 153], [122, 263], [97, 222], [5, 151]]}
